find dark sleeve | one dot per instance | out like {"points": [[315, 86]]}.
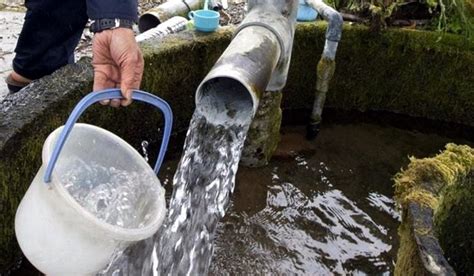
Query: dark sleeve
{"points": [[123, 9]]}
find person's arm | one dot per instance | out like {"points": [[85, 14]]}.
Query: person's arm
{"points": [[122, 9], [117, 59]]}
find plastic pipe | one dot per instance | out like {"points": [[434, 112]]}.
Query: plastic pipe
{"points": [[334, 18], [155, 16], [256, 60], [173, 25], [326, 65]]}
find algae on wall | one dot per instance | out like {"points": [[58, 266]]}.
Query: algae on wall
{"points": [[408, 260], [264, 131], [421, 190], [453, 225], [424, 179], [417, 73]]}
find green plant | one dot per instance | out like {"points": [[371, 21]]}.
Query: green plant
{"points": [[452, 16]]}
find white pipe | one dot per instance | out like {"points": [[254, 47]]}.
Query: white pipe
{"points": [[334, 30], [165, 11], [326, 65], [170, 26]]}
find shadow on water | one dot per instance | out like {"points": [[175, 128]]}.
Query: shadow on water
{"points": [[319, 207]]}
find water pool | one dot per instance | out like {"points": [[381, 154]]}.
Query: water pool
{"points": [[319, 207]]}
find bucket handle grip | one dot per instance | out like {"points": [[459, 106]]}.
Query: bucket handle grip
{"points": [[107, 94]]}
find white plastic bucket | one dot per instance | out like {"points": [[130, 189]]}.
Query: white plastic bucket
{"points": [[61, 237]]}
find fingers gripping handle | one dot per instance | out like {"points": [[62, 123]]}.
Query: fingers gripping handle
{"points": [[106, 95]]}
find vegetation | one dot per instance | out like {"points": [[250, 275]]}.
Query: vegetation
{"points": [[424, 179], [456, 237], [456, 16], [453, 16], [443, 185], [403, 71]]}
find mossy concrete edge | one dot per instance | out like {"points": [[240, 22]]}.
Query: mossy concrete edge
{"points": [[420, 189]]}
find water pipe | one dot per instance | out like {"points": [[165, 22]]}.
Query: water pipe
{"points": [[173, 25], [256, 60], [327, 63], [155, 16]]}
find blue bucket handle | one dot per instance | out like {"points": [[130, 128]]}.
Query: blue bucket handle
{"points": [[107, 94]]}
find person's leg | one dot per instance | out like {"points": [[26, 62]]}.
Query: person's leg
{"points": [[49, 36]]}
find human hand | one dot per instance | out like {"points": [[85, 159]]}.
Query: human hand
{"points": [[118, 63]]}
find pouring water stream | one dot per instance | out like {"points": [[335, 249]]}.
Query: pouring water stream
{"points": [[202, 186]]}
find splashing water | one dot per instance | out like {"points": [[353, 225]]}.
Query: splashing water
{"points": [[203, 184], [144, 150], [119, 197]]}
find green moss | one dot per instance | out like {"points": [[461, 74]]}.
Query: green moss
{"points": [[455, 234], [325, 72], [420, 195], [469, 4], [15, 179], [21, 159], [408, 260], [424, 178], [440, 184], [264, 132], [422, 74]]}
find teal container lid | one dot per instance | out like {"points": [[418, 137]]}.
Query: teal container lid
{"points": [[305, 12]]}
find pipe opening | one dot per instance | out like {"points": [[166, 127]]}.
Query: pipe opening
{"points": [[225, 101], [147, 21]]}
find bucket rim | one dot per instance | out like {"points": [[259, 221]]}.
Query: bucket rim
{"points": [[114, 231]]}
